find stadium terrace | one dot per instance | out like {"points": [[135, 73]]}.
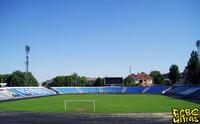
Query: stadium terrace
{"points": [[184, 91]]}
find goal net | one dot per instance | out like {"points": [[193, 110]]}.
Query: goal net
{"points": [[79, 105]]}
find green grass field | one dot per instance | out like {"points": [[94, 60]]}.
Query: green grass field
{"points": [[105, 103]]}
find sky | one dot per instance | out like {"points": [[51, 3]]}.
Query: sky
{"points": [[97, 37]]}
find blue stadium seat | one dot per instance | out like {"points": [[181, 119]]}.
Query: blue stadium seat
{"points": [[16, 92], [29, 91], [177, 89], [134, 89], [194, 95], [3, 96], [66, 89], [156, 89], [112, 89], [89, 90], [189, 91]]}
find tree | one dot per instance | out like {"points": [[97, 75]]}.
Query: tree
{"points": [[6, 78], [59, 81], [74, 79], [67, 80], [70, 80], [192, 70], [17, 78], [174, 74], [31, 80], [158, 78], [99, 82], [129, 81], [83, 81], [1, 79]]}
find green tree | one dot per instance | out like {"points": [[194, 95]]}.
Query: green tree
{"points": [[129, 81], [67, 80], [192, 70], [83, 81], [6, 78], [1, 78], [70, 80], [174, 74], [18, 79], [59, 81], [158, 78], [74, 79], [99, 82], [31, 80]]}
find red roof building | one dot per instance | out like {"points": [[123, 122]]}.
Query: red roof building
{"points": [[142, 79]]}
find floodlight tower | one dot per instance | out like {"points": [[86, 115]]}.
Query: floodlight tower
{"points": [[198, 47], [27, 49]]}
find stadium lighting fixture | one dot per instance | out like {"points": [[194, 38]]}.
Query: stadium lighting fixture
{"points": [[27, 49]]}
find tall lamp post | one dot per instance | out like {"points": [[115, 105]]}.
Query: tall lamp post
{"points": [[27, 49]]}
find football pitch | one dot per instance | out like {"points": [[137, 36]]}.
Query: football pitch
{"points": [[104, 103]]}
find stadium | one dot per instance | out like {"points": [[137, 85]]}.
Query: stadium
{"points": [[99, 62], [100, 102], [138, 98]]}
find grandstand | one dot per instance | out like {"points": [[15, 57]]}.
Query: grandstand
{"points": [[111, 89], [156, 89], [23, 92], [64, 90], [134, 89], [4, 96], [185, 91], [105, 99]]}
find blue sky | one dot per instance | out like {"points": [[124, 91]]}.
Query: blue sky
{"points": [[97, 37]]}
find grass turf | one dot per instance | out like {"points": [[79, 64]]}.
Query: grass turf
{"points": [[105, 103]]}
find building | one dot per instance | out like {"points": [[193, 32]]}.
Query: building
{"points": [[91, 81], [142, 79]]}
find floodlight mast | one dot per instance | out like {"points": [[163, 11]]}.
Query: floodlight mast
{"points": [[27, 49], [198, 47]]}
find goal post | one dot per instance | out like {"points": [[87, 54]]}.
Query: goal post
{"points": [[66, 102]]}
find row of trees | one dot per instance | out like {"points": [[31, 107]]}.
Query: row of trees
{"points": [[168, 79], [191, 74], [69, 80], [73, 80], [18, 78]]}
